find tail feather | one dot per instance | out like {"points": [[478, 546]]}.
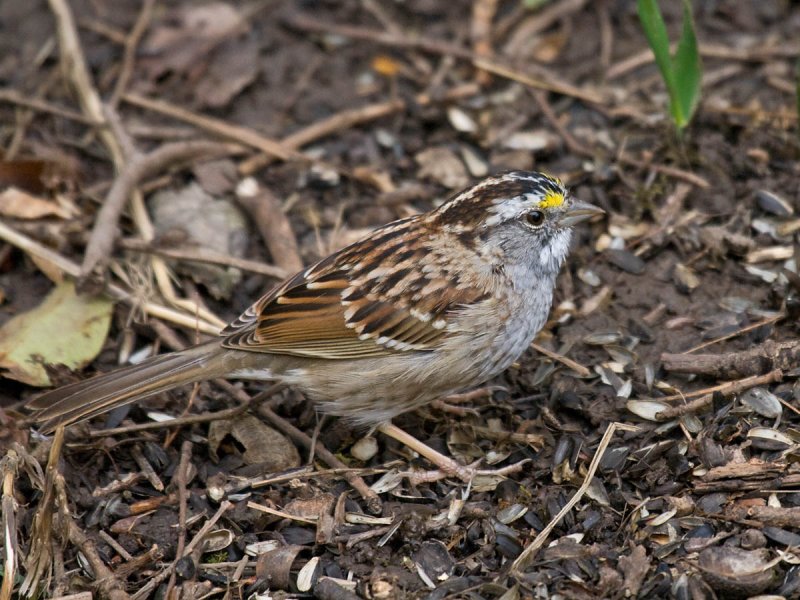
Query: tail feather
{"points": [[85, 399]]}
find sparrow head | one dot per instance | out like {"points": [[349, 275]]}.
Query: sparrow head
{"points": [[525, 215]]}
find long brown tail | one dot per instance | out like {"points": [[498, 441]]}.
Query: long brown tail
{"points": [[85, 399]]}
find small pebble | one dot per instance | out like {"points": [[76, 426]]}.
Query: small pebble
{"points": [[627, 261], [364, 449]]}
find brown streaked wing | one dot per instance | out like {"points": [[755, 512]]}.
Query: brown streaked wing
{"points": [[338, 308]]}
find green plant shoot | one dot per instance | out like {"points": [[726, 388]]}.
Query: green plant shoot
{"points": [[682, 72]]}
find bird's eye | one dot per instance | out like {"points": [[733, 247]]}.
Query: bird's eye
{"points": [[534, 218]]}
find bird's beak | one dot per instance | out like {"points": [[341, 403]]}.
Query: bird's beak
{"points": [[577, 212]]}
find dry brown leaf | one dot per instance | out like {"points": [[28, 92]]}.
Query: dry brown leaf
{"points": [[262, 445], [17, 204]]}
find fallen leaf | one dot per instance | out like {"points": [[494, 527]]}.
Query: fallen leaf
{"points": [[187, 35], [261, 444], [203, 46], [28, 341], [216, 224], [233, 66], [441, 165], [25, 174], [635, 567], [21, 205]]}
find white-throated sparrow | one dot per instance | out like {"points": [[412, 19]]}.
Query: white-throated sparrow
{"points": [[422, 307]]}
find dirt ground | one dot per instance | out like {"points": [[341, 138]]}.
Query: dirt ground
{"points": [[263, 135]]}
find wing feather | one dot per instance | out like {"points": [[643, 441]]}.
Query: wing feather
{"points": [[349, 305]]}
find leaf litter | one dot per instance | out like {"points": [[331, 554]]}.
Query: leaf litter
{"points": [[697, 260]]}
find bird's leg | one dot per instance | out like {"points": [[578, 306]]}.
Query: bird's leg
{"points": [[447, 466]]}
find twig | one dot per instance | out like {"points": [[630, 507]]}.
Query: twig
{"points": [[529, 439], [14, 97], [9, 466], [267, 213], [108, 583], [557, 87], [606, 35], [697, 180], [347, 119], [524, 559], [279, 513], [38, 562], [224, 507], [104, 29], [155, 581], [227, 413], [564, 360], [106, 537], [775, 516], [372, 499], [78, 596], [529, 28], [548, 81], [311, 24], [137, 563], [733, 334], [572, 144], [238, 484], [24, 119], [756, 54], [104, 232], [181, 480], [731, 387], [243, 135], [37, 250], [146, 468], [204, 255], [74, 64], [129, 56], [168, 336], [755, 361]]}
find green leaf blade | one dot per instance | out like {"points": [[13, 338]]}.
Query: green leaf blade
{"points": [[688, 67], [656, 33]]}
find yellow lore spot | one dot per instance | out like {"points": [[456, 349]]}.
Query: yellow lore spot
{"points": [[552, 199]]}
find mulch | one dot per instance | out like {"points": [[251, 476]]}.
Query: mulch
{"points": [[182, 158]]}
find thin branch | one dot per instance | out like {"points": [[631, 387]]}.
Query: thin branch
{"points": [[74, 64], [181, 481], [731, 387], [372, 499], [14, 97], [204, 255], [527, 555], [267, 213], [104, 232], [352, 117], [37, 250], [731, 365], [131, 44], [545, 81], [237, 133]]}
